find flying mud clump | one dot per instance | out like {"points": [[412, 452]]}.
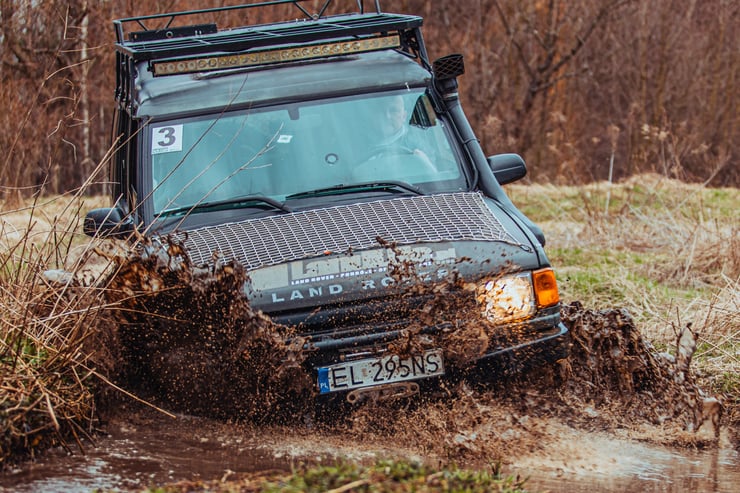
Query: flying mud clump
{"points": [[189, 339], [613, 368]]}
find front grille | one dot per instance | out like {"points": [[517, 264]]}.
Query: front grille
{"points": [[404, 221]]}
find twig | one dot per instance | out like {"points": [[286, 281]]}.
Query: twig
{"points": [[350, 486], [129, 394], [52, 414]]}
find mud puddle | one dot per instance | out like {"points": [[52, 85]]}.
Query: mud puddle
{"points": [[146, 448], [587, 462], [614, 416]]}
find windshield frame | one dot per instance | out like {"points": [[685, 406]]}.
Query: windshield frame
{"points": [[445, 134]]}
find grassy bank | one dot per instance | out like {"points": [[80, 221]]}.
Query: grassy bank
{"points": [[49, 356], [667, 251], [383, 477]]}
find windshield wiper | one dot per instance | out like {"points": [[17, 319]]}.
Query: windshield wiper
{"points": [[263, 199], [358, 187]]}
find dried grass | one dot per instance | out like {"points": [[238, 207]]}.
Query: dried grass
{"points": [[667, 251], [49, 343]]}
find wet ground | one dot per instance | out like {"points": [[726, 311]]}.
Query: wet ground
{"points": [[146, 448], [615, 416]]}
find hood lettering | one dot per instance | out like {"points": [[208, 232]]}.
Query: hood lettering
{"points": [[315, 273]]}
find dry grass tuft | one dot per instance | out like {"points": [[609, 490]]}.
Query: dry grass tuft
{"points": [[48, 332]]}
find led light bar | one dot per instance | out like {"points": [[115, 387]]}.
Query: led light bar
{"points": [[280, 55]]}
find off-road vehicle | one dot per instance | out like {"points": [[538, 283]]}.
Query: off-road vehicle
{"points": [[318, 153]]}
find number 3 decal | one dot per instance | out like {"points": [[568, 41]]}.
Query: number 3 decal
{"points": [[167, 139], [169, 136]]}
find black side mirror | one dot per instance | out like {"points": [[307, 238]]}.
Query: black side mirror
{"points": [[507, 168], [107, 221]]}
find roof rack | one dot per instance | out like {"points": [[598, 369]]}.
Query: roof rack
{"points": [[202, 47], [161, 43], [118, 24]]}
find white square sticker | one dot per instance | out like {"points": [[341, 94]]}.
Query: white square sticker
{"points": [[167, 139]]}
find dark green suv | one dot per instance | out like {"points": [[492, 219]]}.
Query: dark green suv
{"points": [[319, 153]]}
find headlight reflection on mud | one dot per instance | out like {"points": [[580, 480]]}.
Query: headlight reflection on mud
{"points": [[506, 298]]}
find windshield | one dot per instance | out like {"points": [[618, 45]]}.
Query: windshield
{"points": [[290, 151]]}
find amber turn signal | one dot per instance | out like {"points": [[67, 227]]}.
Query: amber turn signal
{"points": [[545, 287]]}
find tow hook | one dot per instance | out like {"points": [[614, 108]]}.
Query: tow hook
{"points": [[383, 392]]}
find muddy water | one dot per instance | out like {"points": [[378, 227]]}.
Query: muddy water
{"points": [[585, 462], [144, 448], [615, 416]]}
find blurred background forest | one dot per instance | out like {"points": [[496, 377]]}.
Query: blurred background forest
{"points": [[575, 86]]}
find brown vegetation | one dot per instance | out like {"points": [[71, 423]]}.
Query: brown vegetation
{"points": [[584, 90], [50, 351]]}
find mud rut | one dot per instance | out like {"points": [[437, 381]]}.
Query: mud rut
{"points": [[187, 340]]}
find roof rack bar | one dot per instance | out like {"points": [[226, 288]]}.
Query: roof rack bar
{"points": [[323, 8], [305, 12], [212, 9], [242, 39], [118, 23]]}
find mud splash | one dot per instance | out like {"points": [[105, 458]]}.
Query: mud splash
{"points": [[613, 381], [189, 339], [186, 338], [613, 368]]}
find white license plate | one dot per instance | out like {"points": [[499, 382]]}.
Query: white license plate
{"points": [[379, 371]]}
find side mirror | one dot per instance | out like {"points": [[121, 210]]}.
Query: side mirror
{"points": [[107, 221], [507, 168]]}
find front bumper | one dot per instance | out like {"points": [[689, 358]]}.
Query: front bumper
{"points": [[539, 347], [551, 346]]}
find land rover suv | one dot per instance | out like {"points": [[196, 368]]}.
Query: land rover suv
{"points": [[320, 153]]}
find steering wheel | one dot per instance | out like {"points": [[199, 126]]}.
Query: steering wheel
{"points": [[377, 166], [392, 150]]}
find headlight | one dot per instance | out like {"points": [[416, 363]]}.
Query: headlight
{"points": [[517, 296], [507, 298]]}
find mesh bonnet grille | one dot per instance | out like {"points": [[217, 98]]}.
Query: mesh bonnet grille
{"points": [[272, 240]]}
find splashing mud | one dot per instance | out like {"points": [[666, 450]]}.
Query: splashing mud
{"points": [[612, 381], [186, 339], [613, 368], [189, 338]]}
